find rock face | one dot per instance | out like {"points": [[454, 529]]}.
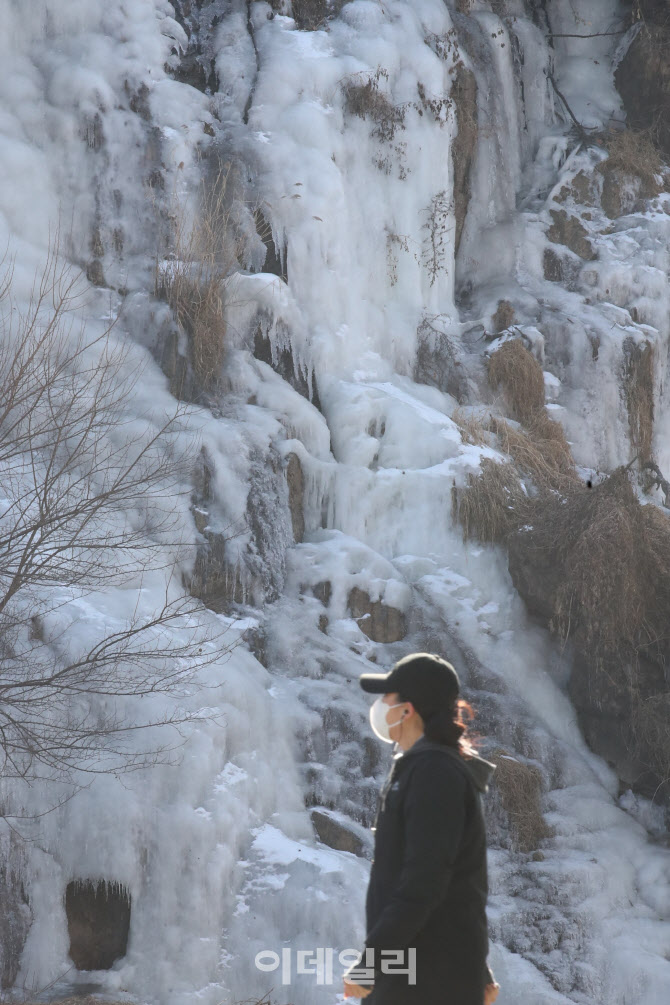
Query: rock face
{"points": [[196, 65], [338, 832], [295, 480], [377, 620], [283, 363], [606, 718], [620, 192], [642, 78], [258, 573], [98, 919], [569, 231]]}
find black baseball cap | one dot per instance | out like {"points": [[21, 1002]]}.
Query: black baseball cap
{"points": [[428, 681]]}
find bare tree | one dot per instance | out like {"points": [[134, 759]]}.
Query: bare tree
{"points": [[91, 503]]}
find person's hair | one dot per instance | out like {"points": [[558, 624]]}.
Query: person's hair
{"points": [[449, 726]]}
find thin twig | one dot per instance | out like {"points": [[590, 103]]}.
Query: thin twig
{"points": [[580, 128], [596, 34]]}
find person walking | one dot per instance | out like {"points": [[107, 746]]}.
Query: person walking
{"points": [[427, 938]]}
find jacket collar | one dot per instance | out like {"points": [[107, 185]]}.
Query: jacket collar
{"points": [[479, 769]]}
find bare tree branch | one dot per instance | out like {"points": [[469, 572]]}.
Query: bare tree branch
{"points": [[91, 498]]}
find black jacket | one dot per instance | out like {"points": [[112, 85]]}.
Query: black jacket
{"points": [[428, 883]]}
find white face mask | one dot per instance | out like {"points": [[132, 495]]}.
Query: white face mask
{"points": [[380, 726]]}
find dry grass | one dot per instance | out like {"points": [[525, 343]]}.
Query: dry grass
{"points": [[204, 253], [632, 152], [495, 503], [504, 316], [365, 99], [513, 368], [540, 452], [474, 426], [520, 787], [612, 559], [638, 385], [492, 505]]}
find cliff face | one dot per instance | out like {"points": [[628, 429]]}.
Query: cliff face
{"points": [[316, 225]]}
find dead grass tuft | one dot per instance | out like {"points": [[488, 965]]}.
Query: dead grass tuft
{"points": [[541, 451], [474, 426], [514, 368], [504, 316], [520, 787], [632, 152], [492, 505], [204, 253], [365, 99], [651, 731], [611, 559]]}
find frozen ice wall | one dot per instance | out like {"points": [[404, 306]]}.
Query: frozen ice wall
{"points": [[345, 363]]}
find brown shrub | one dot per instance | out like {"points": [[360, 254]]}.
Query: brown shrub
{"points": [[198, 308], [204, 253], [540, 452], [309, 15], [493, 503], [520, 787], [611, 559], [515, 369], [503, 317], [632, 152], [364, 99]]}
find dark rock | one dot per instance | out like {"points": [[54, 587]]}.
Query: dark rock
{"points": [[94, 273], [97, 246], [379, 621], [296, 490], [582, 188], [322, 591], [568, 230], [259, 578], [191, 71], [338, 833], [560, 268], [619, 194], [604, 706], [138, 100], [642, 78], [98, 919], [284, 365], [174, 365]]}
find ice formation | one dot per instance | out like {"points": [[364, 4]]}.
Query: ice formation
{"points": [[218, 852]]}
